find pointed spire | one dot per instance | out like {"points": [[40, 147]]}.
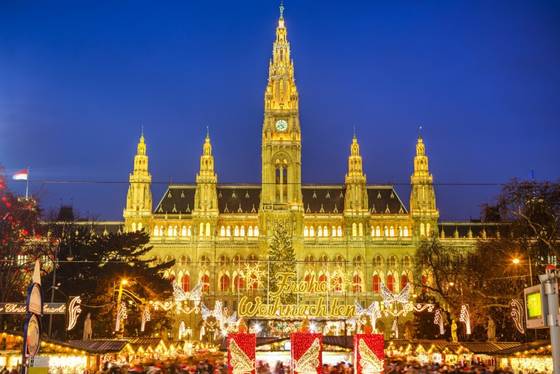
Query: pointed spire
{"points": [[281, 92], [141, 148], [355, 148], [207, 147]]}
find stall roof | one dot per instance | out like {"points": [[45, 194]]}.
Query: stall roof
{"points": [[99, 345]]}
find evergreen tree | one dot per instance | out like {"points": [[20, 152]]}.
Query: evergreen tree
{"points": [[92, 265], [282, 259]]}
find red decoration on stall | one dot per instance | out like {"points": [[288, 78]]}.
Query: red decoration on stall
{"points": [[307, 349], [368, 353], [241, 348]]}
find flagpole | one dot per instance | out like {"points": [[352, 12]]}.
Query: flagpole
{"points": [[27, 185]]}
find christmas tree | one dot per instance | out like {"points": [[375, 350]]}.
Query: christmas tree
{"points": [[282, 259]]}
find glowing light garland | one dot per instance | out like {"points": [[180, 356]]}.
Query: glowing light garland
{"points": [[465, 317], [74, 310], [438, 320], [146, 316], [517, 314]]}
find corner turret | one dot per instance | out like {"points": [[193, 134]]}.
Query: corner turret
{"points": [[138, 212], [422, 196]]}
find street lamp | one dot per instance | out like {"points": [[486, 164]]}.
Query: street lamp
{"points": [[516, 261]]}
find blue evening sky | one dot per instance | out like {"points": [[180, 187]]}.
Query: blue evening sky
{"points": [[78, 78]]}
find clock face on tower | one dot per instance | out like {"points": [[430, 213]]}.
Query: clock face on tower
{"points": [[281, 125]]}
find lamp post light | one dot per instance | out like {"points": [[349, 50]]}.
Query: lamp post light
{"points": [[516, 261]]}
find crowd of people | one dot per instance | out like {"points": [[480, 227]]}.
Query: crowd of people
{"points": [[263, 367]]}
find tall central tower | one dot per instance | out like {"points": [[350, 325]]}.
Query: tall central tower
{"points": [[281, 139]]}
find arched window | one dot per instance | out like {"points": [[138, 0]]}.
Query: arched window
{"points": [[337, 283], [236, 231], [205, 260], [133, 226], [311, 231], [406, 261], [333, 232], [372, 231], [189, 231], [391, 282], [184, 231], [323, 278], [428, 229], [376, 283], [422, 230], [354, 230], [207, 229], [405, 231], [222, 231], [250, 231], [358, 260], [205, 280], [224, 283], [392, 262], [156, 231], [356, 283], [399, 232], [242, 231], [228, 231], [169, 230], [325, 231], [386, 231], [256, 231], [186, 283], [378, 261], [339, 260], [223, 260], [139, 226], [339, 231], [360, 229], [404, 281], [319, 231], [307, 278], [237, 260], [239, 283], [306, 231], [377, 231], [391, 231], [252, 259], [201, 231]]}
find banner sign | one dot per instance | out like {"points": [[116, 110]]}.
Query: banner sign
{"points": [[368, 353], [307, 349], [287, 284], [21, 308], [241, 348]]}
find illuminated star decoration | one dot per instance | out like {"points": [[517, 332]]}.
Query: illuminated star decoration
{"points": [[254, 275]]}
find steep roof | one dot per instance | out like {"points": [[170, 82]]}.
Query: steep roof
{"points": [[245, 199]]}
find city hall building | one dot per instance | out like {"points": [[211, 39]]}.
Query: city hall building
{"points": [[353, 235]]}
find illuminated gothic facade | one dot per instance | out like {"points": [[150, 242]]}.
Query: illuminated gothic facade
{"points": [[353, 235]]}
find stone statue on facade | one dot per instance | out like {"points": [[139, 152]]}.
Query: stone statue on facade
{"points": [[454, 337], [491, 330]]}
